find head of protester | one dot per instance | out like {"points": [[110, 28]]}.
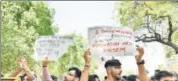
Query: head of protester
{"points": [[54, 78], [93, 77], [73, 74], [23, 66], [113, 69], [164, 76], [132, 78]]}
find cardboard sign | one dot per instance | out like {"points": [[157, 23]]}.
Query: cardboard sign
{"points": [[111, 41], [51, 46]]}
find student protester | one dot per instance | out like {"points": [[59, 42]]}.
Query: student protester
{"points": [[23, 66], [132, 78], [164, 76], [93, 77], [113, 67], [73, 74]]}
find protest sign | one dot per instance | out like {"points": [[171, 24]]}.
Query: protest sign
{"points": [[51, 46], [111, 41]]}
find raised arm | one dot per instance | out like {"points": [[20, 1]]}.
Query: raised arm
{"points": [[86, 70], [15, 73], [140, 63], [46, 74], [30, 75]]}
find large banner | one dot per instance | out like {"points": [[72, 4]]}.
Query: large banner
{"points": [[111, 41], [51, 46]]}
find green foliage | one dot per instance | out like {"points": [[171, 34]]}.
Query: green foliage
{"points": [[22, 22], [45, 18], [133, 14]]}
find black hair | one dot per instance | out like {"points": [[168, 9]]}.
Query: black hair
{"points": [[132, 78], [124, 77], [92, 77], [22, 77], [77, 71], [162, 74], [112, 62], [54, 77]]}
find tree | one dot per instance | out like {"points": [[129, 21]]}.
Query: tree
{"points": [[22, 22], [156, 21]]}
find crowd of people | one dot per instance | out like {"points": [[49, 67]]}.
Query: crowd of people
{"points": [[113, 68]]}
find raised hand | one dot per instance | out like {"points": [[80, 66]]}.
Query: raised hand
{"points": [[87, 56], [140, 53], [45, 62]]}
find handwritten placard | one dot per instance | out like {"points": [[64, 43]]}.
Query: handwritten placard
{"points": [[51, 46], [111, 41]]}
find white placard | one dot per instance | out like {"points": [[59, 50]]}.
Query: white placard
{"points": [[111, 41], [51, 46]]}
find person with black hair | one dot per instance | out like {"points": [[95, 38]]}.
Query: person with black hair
{"points": [[164, 76], [124, 78], [54, 78], [113, 67], [132, 78], [73, 74], [23, 66], [93, 77]]}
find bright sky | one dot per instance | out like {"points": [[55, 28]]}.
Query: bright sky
{"points": [[77, 16]]}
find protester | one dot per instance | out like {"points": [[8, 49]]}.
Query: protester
{"points": [[93, 77], [124, 78], [132, 78], [73, 73], [23, 66], [113, 67], [86, 70], [164, 76]]}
